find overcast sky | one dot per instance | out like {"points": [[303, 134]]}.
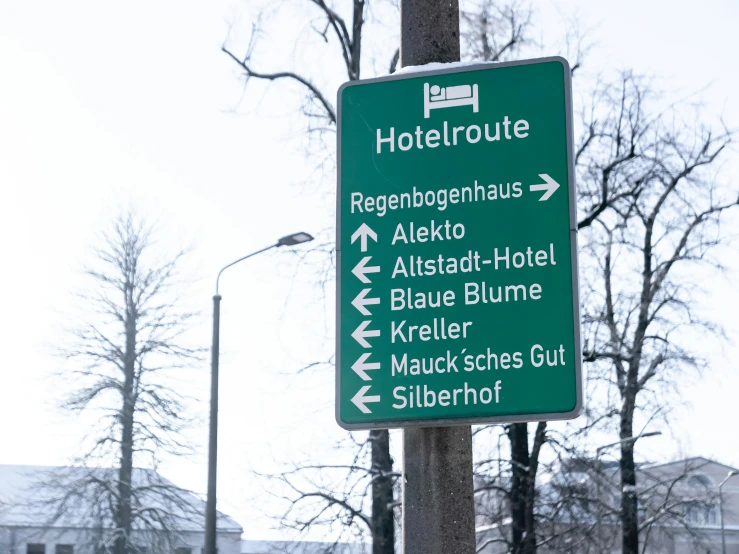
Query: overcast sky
{"points": [[104, 104]]}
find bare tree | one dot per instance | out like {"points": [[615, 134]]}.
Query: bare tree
{"points": [[491, 31], [576, 506], [120, 363], [496, 31], [343, 34], [530, 505], [645, 198], [503, 30], [648, 197], [657, 171], [341, 498]]}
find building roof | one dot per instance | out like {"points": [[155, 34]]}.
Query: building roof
{"points": [[694, 462], [38, 496]]}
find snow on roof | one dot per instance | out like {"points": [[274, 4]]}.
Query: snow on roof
{"points": [[693, 462], [28, 494]]}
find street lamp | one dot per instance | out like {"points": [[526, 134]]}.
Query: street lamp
{"points": [[210, 505], [721, 507], [623, 441]]}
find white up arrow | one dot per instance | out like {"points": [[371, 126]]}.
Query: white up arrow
{"points": [[360, 399], [549, 186], [361, 301], [362, 269], [361, 366], [361, 334], [362, 234]]}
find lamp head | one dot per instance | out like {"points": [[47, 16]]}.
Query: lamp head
{"points": [[295, 238]]}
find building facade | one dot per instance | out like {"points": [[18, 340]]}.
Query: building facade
{"points": [[680, 509], [40, 514]]}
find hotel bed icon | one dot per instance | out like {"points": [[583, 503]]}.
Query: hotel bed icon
{"points": [[435, 97]]}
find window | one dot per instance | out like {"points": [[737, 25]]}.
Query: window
{"points": [[712, 516], [64, 549], [699, 481], [701, 514], [36, 549]]}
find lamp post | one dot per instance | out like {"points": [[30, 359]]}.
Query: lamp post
{"points": [[597, 483], [721, 507], [210, 505], [622, 441]]}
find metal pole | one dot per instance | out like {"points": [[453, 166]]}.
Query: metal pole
{"points": [[210, 506], [721, 514], [210, 503], [599, 499], [721, 507], [438, 496]]}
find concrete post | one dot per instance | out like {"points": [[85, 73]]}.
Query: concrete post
{"points": [[438, 500], [429, 31]]}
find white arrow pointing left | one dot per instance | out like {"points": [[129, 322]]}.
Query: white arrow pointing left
{"points": [[361, 301], [360, 399], [550, 185], [361, 366], [363, 233], [361, 270], [361, 334]]}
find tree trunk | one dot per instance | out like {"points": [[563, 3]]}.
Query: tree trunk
{"points": [[518, 434], [629, 499], [529, 542], [383, 522], [125, 469], [524, 466]]}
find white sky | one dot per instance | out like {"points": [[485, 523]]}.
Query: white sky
{"points": [[102, 104]]}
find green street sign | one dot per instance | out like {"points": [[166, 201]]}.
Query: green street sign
{"points": [[457, 282]]}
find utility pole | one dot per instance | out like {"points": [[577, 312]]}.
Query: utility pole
{"points": [[438, 497]]}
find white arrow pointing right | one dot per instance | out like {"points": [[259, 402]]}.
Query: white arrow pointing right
{"points": [[361, 334], [550, 185], [361, 366], [361, 301], [360, 399], [361, 269]]}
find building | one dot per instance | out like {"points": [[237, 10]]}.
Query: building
{"points": [[57, 510], [578, 506]]}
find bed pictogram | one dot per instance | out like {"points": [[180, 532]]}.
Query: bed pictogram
{"points": [[435, 97]]}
